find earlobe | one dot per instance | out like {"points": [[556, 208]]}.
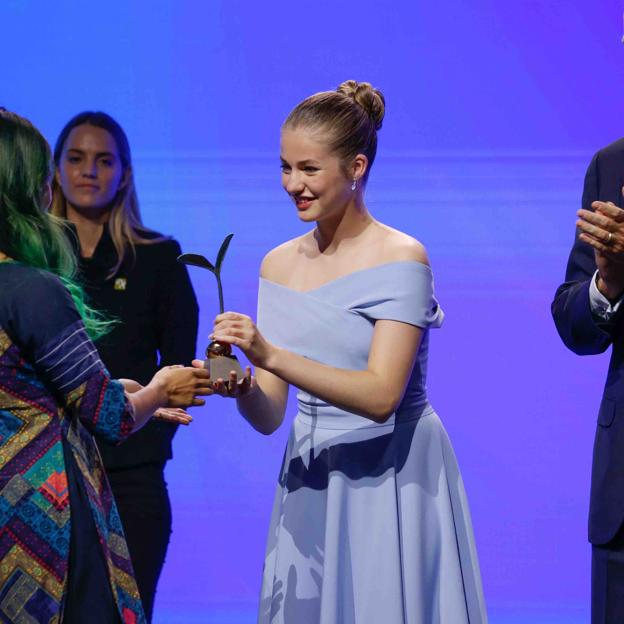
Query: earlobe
{"points": [[360, 165]]}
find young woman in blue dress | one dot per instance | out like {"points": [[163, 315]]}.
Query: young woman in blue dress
{"points": [[370, 522]]}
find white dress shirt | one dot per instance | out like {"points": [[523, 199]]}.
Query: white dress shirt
{"points": [[599, 304]]}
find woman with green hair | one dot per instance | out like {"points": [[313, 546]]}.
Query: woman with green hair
{"points": [[63, 555]]}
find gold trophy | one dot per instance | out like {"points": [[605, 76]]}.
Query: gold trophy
{"points": [[219, 359]]}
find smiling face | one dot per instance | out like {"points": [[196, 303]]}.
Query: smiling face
{"points": [[313, 176], [90, 171]]}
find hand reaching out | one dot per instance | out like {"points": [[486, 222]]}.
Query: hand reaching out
{"points": [[174, 415], [232, 387], [180, 385]]}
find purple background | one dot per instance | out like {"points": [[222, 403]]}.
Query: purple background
{"points": [[493, 112]]}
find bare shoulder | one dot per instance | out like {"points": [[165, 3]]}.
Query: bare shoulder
{"points": [[278, 263], [399, 247]]}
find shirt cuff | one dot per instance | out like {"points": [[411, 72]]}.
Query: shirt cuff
{"points": [[599, 304]]}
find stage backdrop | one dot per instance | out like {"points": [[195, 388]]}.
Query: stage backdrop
{"points": [[493, 112]]}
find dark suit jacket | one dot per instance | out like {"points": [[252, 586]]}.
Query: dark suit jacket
{"points": [[152, 298], [586, 334]]}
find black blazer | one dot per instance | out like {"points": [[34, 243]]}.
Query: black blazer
{"points": [[152, 298], [586, 334]]}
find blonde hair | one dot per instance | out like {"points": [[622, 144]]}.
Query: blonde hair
{"points": [[125, 225], [349, 117]]}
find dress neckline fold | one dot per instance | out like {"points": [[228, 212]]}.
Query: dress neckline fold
{"points": [[342, 278]]}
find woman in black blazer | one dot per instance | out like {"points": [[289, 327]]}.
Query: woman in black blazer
{"points": [[130, 273]]}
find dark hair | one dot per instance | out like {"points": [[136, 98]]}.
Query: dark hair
{"points": [[350, 117], [125, 224], [98, 120], [28, 233]]}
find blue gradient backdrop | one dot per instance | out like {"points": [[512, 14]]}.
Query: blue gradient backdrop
{"points": [[493, 112]]}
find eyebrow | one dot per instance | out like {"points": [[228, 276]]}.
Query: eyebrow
{"points": [[98, 154], [302, 163]]}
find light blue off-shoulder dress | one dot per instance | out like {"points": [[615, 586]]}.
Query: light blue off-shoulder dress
{"points": [[370, 523]]}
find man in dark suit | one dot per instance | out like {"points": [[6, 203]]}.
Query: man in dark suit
{"points": [[589, 315]]}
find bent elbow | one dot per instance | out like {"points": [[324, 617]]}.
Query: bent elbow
{"points": [[582, 344], [267, 430], [382, 411], [265, 426], [588, 350], [382, 417]]}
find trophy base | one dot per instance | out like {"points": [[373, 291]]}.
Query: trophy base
{"points": [[221, 366]]}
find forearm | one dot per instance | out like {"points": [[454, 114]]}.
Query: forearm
{"points": [[145, 402], [363, 392], [374, 392], [261, 412], [579, 329]]}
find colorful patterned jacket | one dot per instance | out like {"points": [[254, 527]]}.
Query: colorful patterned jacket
{"points": [[54, 392]]}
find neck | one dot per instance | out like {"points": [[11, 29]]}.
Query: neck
{"points": [[331, 232], [89, 229]]}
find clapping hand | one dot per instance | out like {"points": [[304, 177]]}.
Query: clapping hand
{"points": [[603, 229]]}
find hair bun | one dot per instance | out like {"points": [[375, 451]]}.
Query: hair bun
{"points": [[369, 98]]}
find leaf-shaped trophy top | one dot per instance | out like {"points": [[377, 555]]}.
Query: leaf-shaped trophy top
{"points": [[222, 251], [196, 260], [202, 262]]}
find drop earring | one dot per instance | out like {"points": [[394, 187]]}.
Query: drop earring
{"points": [[353, 184]]}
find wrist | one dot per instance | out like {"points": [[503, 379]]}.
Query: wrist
{"points": [[611, 291], [159, 389], [271, 359]]}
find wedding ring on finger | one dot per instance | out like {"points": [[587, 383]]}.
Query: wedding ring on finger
{"points": [[609, 238]]}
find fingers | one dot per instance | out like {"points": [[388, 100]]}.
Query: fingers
{"points": [[599, 233], [231, 316], [173, 414], [234, 387], [228, 338], [248, 385], [197, 363], [595, 243], [227, 388], [229, 323], [610, 210], [198, 402], [228, 332], [201, 373], [595, 218]]}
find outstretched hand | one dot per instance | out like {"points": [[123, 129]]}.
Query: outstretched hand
{"points": [[232, 387], [173, 415], [181, 385]]}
